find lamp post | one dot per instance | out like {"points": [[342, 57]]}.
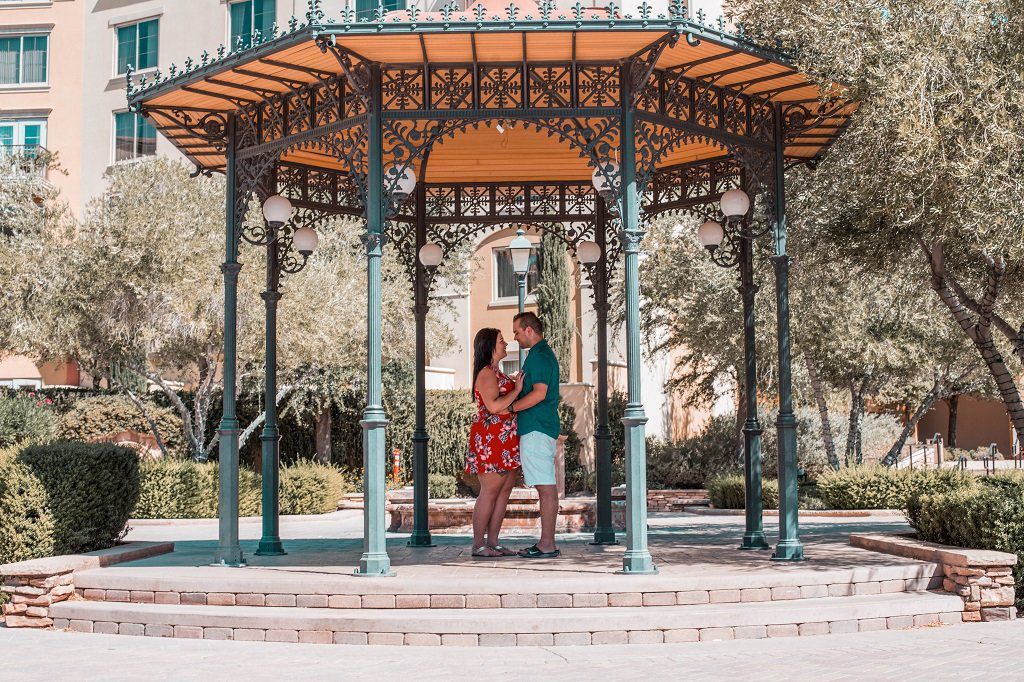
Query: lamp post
{"points": [[521, 249], [738, 234], [280, 242], [592, 259]]}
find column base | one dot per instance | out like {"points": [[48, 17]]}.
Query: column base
{"points": [[754, 540], [420, 538], [604, 536], [789, 550], [270, 547], [231, 558], [638, 563], [374, 566]]}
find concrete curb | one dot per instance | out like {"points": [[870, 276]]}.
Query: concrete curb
{"points": [[829, 513], [47, 566]]}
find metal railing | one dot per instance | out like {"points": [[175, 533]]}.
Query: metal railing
{"points": [[25, 160]]}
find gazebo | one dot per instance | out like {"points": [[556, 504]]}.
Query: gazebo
{"points": [[433, 127]]}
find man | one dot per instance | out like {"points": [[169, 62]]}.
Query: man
{"points": [[537, 410]]}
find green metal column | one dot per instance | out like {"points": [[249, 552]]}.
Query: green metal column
{"points": [[521, 290], [789, 547], [753, 538], [270, 439], [375, 560], [229, 552], [637, 558], [420, 439], [604, 532]]}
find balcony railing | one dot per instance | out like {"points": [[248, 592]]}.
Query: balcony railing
{"points": [[26, 160]]}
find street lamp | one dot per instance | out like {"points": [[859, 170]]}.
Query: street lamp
{"points": [[430, 255], [281, 258], [521, 249], [399, 183], [731, 243]]}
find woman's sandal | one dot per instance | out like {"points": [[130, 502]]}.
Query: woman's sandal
{"points": [[478, 552], [504, 551]]}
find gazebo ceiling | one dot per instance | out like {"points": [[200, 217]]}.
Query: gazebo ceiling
{"points": [[480, 37]]}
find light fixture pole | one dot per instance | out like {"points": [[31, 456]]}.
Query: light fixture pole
{"points": [[521, 249], [739, 234], [277, 211]]}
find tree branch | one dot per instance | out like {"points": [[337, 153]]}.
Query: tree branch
{"points": [[149, 419]]}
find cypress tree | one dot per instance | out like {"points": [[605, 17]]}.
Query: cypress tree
{"points": [[553, 301]]}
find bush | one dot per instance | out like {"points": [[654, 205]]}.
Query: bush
{"points": [[65, 498], [311, 488], [441, 486], [727, 492], [986, 515], [91, 419], [26, 418], [186, 489], [877, 487], [576, 477]]}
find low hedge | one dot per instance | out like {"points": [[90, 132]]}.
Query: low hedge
{"points": [[186, 489], [877, 487], [986, 515], [442, 486], [91, 419], [26, 418], [727, 492], [65, 498]]}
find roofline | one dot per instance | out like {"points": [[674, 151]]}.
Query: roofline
{"points": [[694, 32]]}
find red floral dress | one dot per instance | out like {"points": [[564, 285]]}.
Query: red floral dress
{"points": [[493, 441]]}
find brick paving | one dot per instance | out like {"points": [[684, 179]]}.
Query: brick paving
{"points": [[989, 651]]}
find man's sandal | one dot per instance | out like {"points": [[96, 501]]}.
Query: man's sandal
{"points": [[534, 552]]}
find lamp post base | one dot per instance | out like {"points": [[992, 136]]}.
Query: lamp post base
{"points": [[754, 540], [420, 538], [604, 536], [270, 547], [374, 565], [638, 563], [230, 559], [789, 550]]}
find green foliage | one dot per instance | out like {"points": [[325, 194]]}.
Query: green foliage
{"points": [[986, 515], [91, 419], [876, 487], [311, 488], [185, 489], [26, 418], [441, 486], [727, 492], [64, 498], [575, 472], [553, 301]]}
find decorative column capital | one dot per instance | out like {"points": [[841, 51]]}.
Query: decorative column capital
{"points": [[631, 239], [374, 242], [231, 270], [271, 297]]}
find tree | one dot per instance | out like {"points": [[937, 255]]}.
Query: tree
{"points": [[553, 301], [928, 172], [137, 286]]}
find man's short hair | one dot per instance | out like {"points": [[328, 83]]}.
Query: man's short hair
{"points": [[530, 320]]}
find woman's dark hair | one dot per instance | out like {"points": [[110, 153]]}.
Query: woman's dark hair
{"points": [[483, 350]]}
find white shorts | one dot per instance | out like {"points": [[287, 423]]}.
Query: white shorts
{"points": [[537, 455]]}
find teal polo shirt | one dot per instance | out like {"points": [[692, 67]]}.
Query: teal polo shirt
{"points": [[541, 367]]}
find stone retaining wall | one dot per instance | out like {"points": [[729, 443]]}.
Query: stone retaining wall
{"points": [[982, 578], [36, 584]]}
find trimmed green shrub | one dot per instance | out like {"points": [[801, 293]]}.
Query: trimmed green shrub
{"points": [[65, 498], [877, 487], [311, 488], [186, 489], [576, 477], [91, 419], [986, 515], [441, 486], [26, 418], [727, 492]]}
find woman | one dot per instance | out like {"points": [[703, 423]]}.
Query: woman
{"points": [[493, 442]]}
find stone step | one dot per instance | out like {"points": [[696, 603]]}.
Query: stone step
{"points": [[256, 586], [513, 626]]}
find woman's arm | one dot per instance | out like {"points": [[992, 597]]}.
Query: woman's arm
{"points": [[487, 385]]}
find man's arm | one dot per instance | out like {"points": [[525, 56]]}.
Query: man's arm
{"points": [[536, 395]]}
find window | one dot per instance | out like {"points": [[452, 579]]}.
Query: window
{"points": [[22, 136], [365, 8], [510, 363], [137, 46], [134, 137], [506, 284], [248, 15], [23, 59]]}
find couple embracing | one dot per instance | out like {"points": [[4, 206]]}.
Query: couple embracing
{"points": [[516, 426]]}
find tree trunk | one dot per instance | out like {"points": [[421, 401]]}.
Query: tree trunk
{"points": [[826, 426], [149, 419], [323, 436], [953, 402], [926, 404], [854, 454]]}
